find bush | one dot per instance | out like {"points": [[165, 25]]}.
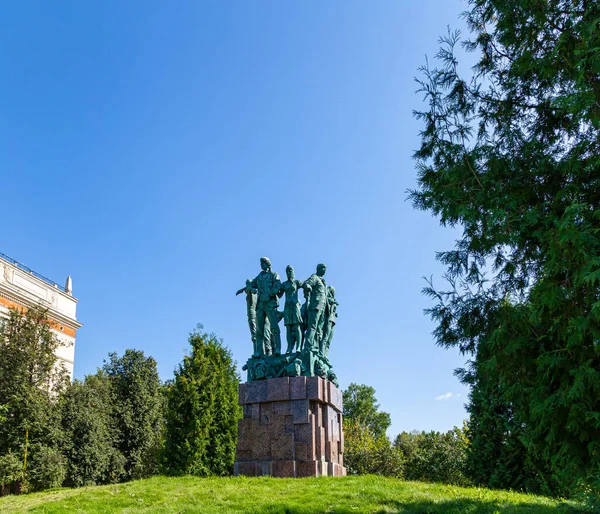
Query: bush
{"points": [[365, 453], [434, 457], [46, 469], [11, 471], [367, 448]]}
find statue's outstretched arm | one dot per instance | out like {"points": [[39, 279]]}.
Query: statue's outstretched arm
{"points": [[240, 291]]}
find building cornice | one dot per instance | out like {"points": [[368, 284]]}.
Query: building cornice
{"points": [[28, 303], [33, 276]]}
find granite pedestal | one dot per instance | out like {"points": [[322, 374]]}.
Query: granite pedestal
{"points": [[292, 427]]}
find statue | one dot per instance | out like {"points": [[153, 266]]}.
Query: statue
{"points": [[330, 320], [268, 284], [294, 368], [317, 289], [251, 311], [304, 314], [309, 328], [292, 318]]}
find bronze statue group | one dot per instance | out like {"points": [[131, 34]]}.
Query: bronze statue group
{"points": [[309, 328]]}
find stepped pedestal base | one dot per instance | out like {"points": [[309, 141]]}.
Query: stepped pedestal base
{"points": [[292, 427]]}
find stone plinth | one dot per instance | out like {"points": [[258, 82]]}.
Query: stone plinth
{"points": [[292, 427]]}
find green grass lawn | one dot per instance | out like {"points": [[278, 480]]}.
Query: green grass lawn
{"points": [[367, 494]]}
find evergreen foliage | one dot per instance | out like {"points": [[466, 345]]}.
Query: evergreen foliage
{"points": [[137, 408], [203, 410], [497, 455], [512, 155]]}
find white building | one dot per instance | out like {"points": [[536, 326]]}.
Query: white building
{"points": [[22, 287]]}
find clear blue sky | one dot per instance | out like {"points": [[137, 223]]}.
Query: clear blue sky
{"points": [[156, 150]]}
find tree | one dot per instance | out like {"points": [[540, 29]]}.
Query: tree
{"points": [[203, 410], [367, 448], [434, 456], [11, 471], [137, 407], [31, 380], [365, 453], [91, 433], [497, 455], [512, 155], [361, 406]]}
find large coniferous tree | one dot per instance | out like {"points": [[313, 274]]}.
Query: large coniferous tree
{"points": [[497, 455], [512, 155], [203, 410]]}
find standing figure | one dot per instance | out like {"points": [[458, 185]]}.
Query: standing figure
{"points": [[292, 318], [268, 284], [330, 320], [317, 288], [304, 314], [251, 311]]}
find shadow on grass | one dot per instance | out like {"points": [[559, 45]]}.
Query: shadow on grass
{"points": [[463, 506]]}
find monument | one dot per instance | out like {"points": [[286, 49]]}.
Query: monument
{"points": [[292, 424]]}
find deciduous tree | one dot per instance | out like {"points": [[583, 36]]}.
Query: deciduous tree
{"points": [[31, 379], [91, 433], [367, 448], [137, 405], [434, 456], [361, 406]]}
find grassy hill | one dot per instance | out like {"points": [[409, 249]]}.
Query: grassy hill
{"points": [[367, 494]]}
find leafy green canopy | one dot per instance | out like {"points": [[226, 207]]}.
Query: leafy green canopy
{"points": [[512, 155], [433, 456], [137, 405], [367, 448], [91, 430], [203, 411], [30, 383], [361, 406]]}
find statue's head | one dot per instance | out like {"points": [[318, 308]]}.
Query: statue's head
{"points": [[321, 268], [331, 291], [289, 271], [265, 263]]}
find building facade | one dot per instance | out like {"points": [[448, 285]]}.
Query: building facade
{"points": [[21, 287]]}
